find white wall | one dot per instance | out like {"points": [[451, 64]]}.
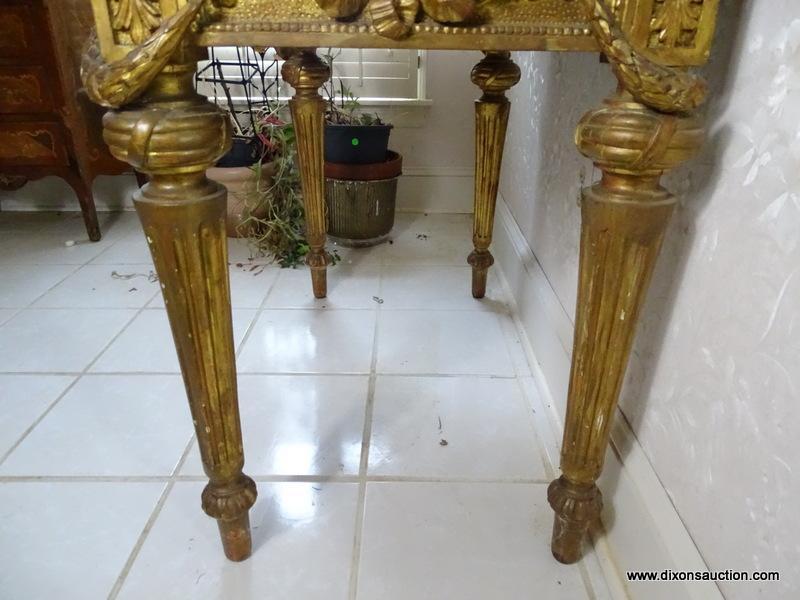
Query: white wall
{"points": [[712, 392], [436, 142]]}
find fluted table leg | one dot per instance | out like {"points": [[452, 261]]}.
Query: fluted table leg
{"points": [[306, 73], [625, 217], [495, 75], [173, 137]]}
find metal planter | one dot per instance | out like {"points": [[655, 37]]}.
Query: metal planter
{"points": [[360, 213]]}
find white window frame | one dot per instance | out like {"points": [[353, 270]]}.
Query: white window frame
{"points": [[421, 98]]}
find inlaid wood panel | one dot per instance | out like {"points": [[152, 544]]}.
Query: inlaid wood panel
{"points": [[17, 39], [32, 143], [25, 90]]}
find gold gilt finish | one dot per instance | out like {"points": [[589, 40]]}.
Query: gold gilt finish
{"points": [[165, 130], [174, 136], [495, 75], [306, 73], [625, 217], [659, 87], [115, 84]]}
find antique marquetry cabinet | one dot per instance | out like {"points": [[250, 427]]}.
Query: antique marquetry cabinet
{"points": [[46, 126], [142, 69]]}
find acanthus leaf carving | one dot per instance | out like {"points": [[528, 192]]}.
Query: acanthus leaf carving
{"points": [[134, 20], [657, 86], [674, 23]]}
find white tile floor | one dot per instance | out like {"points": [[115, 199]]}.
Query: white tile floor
{"points": [[389, 428]]}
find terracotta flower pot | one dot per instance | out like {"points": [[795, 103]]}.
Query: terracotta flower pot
{"points": [[243, 185]]}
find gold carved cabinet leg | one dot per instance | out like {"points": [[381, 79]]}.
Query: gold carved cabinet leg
{"points": [[625, 217], [306, 73], [495, 75], [173, 136]]}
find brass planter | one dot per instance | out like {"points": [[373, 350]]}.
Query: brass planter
{"points": [[360, 213]]}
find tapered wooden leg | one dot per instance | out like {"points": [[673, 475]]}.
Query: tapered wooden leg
{"points": [[173, 138], [306, 73], [625, 217], [495, 75], [83, 191]]}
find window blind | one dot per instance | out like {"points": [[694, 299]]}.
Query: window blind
{"points": [[373, 75]]}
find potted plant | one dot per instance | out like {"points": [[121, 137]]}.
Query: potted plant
{"points": [[260, 171], [360, 171]]}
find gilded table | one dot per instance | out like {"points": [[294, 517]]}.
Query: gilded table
{"points": [[142, 67]]}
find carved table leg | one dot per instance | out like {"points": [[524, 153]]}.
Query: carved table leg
{"points": [[625, 217], [173, 137], [83, 190], [306, 73], [495, 75]]}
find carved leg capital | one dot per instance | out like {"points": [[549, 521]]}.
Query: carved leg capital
{"points": [[173, 138], [495, 75], [625, 217], [306, 73]]}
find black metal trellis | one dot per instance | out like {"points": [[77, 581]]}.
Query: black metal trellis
{"points": [[250, 84]]}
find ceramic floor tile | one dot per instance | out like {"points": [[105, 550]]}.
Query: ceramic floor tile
{"points": [[419, 287], [302, 547], [442, 342], [103, 286], [240, 251], [58, 340], [132, 249], [109, 425], [468, 541], [29, 222], [69, 540], [357, 257], [23, 398], [309, 341], [433, 239], [453, 427], [249, 286], [146, 346], [348, 287], [48, 248], [22, 284], [298, 425], [6, 314]]}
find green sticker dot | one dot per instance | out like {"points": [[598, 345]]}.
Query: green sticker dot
{"points": [[355, 142]]}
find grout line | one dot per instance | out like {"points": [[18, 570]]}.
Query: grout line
{"points": [[78, 378], [54, 286], [38, 420], [149, 524], [366, 439], [267, 374], [267, 478]]}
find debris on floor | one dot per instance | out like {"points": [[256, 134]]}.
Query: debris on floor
{"points": [[151, 276]]}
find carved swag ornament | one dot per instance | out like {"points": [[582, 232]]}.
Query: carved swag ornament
{"points": [[659, 87]]}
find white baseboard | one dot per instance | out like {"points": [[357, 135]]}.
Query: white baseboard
{"points": [[419, 190], [643, 530]]}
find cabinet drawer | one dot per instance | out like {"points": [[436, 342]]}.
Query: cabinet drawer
{"points": [[25, 90], [36, 143], [17, 31]]}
